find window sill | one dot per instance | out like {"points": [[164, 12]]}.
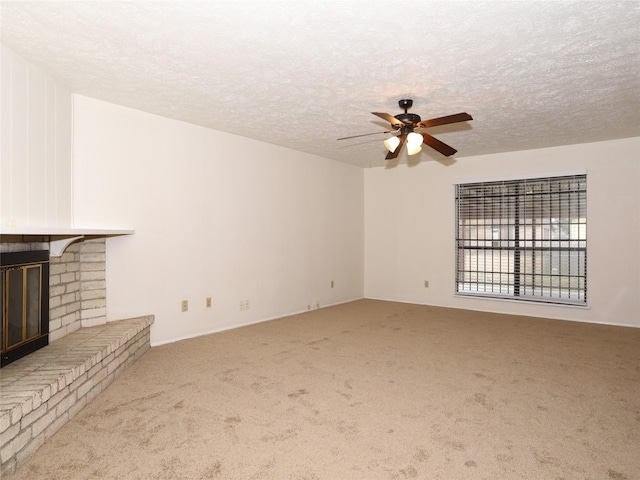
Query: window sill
{"points": [[521, 301]]}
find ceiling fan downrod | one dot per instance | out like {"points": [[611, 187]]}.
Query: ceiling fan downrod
{"points": [[409, 118], [405, 104]]}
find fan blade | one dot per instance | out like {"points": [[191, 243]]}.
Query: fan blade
{"points": [[434, 122], [394, 154], [392, 120], [364, 135], [436, 144]]}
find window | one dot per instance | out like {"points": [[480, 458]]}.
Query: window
{"points": [[523, 239]]}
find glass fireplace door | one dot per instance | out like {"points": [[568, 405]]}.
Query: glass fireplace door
{"points": [[24, 302]]}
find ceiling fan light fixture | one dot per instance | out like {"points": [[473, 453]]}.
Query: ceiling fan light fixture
{"points": [[414, 142], [392, 143], [413, 149], [414, 139]]}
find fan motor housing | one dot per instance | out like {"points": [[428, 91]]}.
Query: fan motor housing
{"points": [[408, 117]]}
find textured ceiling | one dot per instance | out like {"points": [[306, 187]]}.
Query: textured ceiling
{"points": [[301, 74]]}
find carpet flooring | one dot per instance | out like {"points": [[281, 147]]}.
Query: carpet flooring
{"points": [[367, 390]]}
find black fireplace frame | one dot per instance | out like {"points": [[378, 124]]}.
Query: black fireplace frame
{"points": [[15, 259]]}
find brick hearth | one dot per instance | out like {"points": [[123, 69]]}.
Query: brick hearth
{"points": [[43, 390]]}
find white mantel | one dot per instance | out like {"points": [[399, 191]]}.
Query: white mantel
{"points": [[60, 238]]}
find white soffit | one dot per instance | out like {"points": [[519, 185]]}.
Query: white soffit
{"points": [[301, 74]]}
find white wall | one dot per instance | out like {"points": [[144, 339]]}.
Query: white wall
{"points": [[35, 153], [227, 217], [410, 228], [214, 215]]}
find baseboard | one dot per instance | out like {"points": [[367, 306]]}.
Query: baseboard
{"points": [[247, 324]]}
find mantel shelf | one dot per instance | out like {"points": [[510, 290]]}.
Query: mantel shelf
{"points": [[60, 238], [62, 232]]}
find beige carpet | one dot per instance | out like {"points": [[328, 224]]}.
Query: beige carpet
{"points": [[367, 390]]}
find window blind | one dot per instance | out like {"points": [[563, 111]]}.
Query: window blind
{"points": [[523, 239]]}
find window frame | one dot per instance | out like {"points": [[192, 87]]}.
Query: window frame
{"points": [[534, 262]]}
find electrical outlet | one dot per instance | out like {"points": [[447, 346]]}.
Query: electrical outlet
{"points": [[208, 302], [244, 305], [185, 305], [308, 307], [426, 284], [247, 305], [316, 305]]}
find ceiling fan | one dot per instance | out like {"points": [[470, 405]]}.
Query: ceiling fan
{"points": [[406, 124]]}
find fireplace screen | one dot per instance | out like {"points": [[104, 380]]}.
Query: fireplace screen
{"points": [[24, 283]]}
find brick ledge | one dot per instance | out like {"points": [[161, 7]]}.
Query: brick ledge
{"points": [[40, 392]]}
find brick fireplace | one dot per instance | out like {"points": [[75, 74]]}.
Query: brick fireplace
{"points": [[77, 284], [40, 392]]}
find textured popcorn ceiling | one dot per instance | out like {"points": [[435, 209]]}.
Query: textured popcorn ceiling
{"points": [[301, 74]]}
